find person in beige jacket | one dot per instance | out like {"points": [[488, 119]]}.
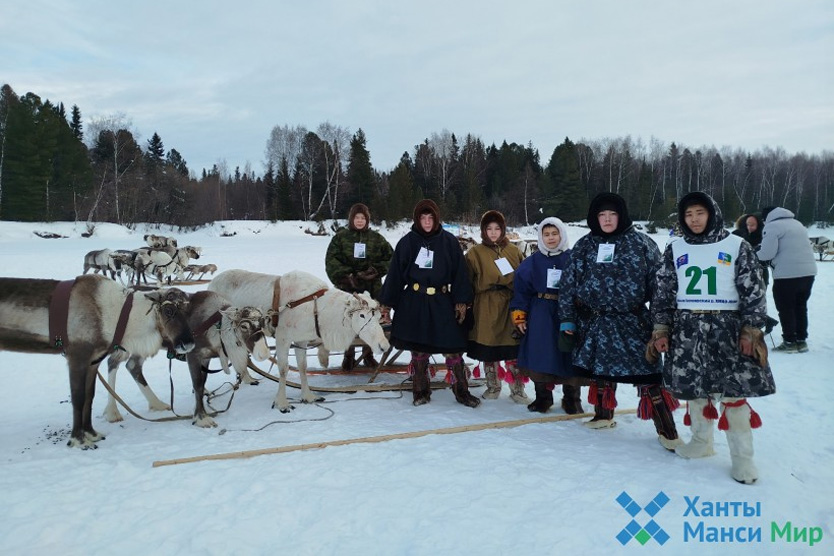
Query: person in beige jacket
{"points": [[492, 265]]}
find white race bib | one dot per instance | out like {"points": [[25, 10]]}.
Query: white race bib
{"points": [[554, 276], [706, 274], [504, 266], [605, 253], [359, 250], [425, 258]]}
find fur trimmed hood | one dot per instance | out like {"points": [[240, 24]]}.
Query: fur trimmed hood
{"points": [[488, 218], [359, 208], [563, 246], [426, 206]]}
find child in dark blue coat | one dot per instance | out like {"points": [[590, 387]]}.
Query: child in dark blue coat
{"points": [[535, 313]]}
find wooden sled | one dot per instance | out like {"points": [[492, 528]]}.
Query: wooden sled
{"points": [[404, 384]]}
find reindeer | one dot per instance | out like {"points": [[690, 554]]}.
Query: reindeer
{"points": [[304, 310], [238, 332], [159, 242], [31, 322], [102, 260]]}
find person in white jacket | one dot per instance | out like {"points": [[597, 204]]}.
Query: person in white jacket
{"points": [[785, 244]]}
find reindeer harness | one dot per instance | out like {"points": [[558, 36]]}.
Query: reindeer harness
{"points": [[59, 316], [278, 309]]}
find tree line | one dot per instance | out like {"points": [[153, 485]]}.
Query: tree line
{"points": [[50, 171]]}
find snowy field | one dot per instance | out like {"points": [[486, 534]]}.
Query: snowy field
{"points": [[547, 488]]}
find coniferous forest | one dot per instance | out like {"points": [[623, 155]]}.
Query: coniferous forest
{"points": [[54, 166]]}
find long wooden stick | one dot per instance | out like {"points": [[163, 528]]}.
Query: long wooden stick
{"points": [[383, 438], [376, 387]]}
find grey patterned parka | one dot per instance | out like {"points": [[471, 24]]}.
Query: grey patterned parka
{"points": [[704, 356], [607, 300]]}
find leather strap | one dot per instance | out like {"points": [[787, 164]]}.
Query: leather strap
{"points": [[59, 314]]}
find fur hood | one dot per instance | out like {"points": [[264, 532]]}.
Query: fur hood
{"points": [[563, 246], [715, 225], [359, 208], [426, 206], [608, 201], [488, 218]]}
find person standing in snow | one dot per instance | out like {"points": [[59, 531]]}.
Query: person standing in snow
{"points": [[535, 313], [708, 310], [749, 227], [428, 288], [492, 265], [786, 245], [357, 258], [605, 321]]}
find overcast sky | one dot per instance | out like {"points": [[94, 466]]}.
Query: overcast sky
{"points": [[213, 78]]}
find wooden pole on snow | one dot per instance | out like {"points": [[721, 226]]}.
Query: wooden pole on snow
{"points": [[382, 438]]}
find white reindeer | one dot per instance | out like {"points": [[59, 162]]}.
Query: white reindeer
{"points": [[334, 318]]}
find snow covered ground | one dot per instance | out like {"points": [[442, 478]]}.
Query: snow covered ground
{"points": [[546, 488]]}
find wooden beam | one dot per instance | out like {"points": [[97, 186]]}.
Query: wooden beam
{"points": [[382, 438]]}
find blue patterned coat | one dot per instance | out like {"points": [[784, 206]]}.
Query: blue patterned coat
{"points": [[607, 302]]}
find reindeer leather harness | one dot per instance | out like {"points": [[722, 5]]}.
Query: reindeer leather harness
{"points": [[59, 316], [277, 308]]}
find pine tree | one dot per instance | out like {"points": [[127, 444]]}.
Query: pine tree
{"points": [[75, 124], [567, 198], [175, 160], [360, 174]]}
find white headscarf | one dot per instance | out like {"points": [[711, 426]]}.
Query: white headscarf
{"points": [[563, 232]]}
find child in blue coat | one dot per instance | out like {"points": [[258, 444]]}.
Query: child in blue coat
{"points": [[535, 313]]}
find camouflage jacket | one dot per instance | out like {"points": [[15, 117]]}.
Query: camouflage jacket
{"points": [[343, 267], [704, 356]]}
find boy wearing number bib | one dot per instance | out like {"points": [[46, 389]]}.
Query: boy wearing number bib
{"points": [[708, 309]]}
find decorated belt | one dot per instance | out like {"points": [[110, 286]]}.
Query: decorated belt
{"points": [[429, 290], [550, 296]]}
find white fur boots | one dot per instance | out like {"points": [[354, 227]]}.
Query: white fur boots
{"points": [[700, 445]]}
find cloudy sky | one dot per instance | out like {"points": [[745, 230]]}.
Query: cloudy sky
{"points": [[214, 77]]}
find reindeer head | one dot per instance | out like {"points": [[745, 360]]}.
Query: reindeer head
{"points": [[364, 315], [248, 324], [171, 306]]}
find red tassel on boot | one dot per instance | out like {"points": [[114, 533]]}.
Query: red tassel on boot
{"points": [[687, 420], [501, 373], [644, 407], [593, 392], [609, 397], [709, 411], [671, 401], [476, 372], [755, 420]]}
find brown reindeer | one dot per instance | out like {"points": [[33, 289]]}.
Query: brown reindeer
{"points": [[93, 309]]}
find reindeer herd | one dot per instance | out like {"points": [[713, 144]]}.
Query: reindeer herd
{"points": [[162, 259], [92, 318]]}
